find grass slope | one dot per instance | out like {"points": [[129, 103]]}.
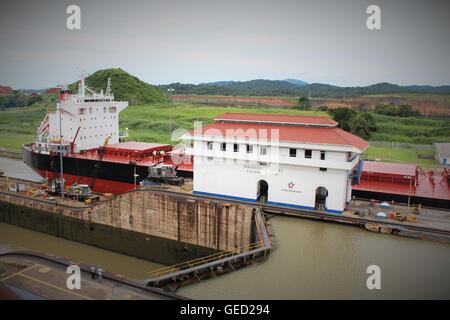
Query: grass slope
{"points": [[152, 122]]}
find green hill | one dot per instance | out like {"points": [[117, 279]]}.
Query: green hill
{"points": [[288, 88], [124, 86]]}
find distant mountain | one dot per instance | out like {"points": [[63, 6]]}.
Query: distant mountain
{"points": [[246, 88], [296, 82], [218, 83], [262, 87], [124, 86], [31, 91]]}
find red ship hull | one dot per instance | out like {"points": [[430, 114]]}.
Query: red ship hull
{"points": [[112, 172]]}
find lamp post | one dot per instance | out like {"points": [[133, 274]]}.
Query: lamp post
{"points": [[170, 92], [61, 155], [135, 177]]}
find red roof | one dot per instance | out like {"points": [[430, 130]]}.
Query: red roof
{"points": [[400, 169], [302, 134], [137, 146], [276, 119], [6, 90]]}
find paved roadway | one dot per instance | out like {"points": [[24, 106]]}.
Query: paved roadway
{"points": [[47, 280]]}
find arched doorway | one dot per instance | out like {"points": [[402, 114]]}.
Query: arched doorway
{"points": [[321, 198], [263, 191]]}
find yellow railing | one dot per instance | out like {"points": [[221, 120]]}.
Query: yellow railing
{"points": [[199, 261], [217, 256]]}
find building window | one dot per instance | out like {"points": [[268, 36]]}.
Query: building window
{"points": [[308, 154], [223, 146], [263, 151], [263, 163], [292, 153], [209, 145], [322, 155], [323, 169], [249, 148], [236, 147]]}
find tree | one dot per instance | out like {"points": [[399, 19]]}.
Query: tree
{"points": [[343, 116], [405, 110], [386, 109], [363, 124], [323, 108], [304, 104]]}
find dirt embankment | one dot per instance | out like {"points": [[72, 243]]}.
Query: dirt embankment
{"points": [[272, 102], [433, 105], [426, 104], [6, 90]]}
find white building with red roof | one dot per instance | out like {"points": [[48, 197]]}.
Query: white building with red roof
{"points": [[295, 161]]}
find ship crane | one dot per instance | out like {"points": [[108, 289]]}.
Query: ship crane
{"points": [[101, 153]]}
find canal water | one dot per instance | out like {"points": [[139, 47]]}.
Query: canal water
{"points": [[311, 260], [15, 168]]}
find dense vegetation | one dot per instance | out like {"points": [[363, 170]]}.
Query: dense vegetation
{"points": [[288, 88], [393, 110], [124, 86], [18, 99], [360, 123]]}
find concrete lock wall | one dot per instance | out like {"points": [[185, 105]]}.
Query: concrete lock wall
{"points": [[148, 225]]}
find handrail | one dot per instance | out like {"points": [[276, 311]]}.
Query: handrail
{"points": [[220, 258], [203, 260]]}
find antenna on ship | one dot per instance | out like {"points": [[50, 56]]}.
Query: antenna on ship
{"points": [[108, 87], [82, 86]]}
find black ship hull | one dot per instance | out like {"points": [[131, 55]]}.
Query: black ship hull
{"points": [[101, 176]]}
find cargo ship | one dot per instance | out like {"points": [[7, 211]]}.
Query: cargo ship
{"points": [[80, 143]]}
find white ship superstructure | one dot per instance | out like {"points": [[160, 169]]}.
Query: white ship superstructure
{"points": [[88, 120]]}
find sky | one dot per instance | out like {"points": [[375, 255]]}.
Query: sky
{"points": [[195, 41]]}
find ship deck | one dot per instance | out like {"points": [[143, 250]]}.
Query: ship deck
{"points": [[431, 185]]}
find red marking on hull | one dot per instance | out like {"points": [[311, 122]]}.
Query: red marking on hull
{"points": [[100, 185]]}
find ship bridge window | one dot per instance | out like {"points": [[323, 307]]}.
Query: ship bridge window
{"points": [[81, 111], [112, 109], [104, 109]]}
